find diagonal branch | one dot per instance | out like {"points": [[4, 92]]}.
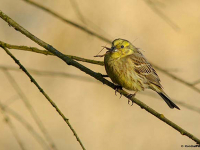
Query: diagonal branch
{"points": [[196, 82], [68, 21], [101, 63], [49, 73], [30, 108], [47, 97], [45, 52], [162, 15], [97, 76], [77, 11], [88, 79], [12, 128], [27, 125], [84, 20], [176, 78]]}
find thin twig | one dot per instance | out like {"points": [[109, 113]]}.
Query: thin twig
{"points": [[187, 106], [63, 74], [68, 21], [12, 128], [85, 20], [177, 78], [47, 97], [84, 29], [49, 73], [190, 107], [196, 82], [101, 63], [30, 108], [77, 10], [45, 52], [27, 125], [97, 76], [151, 4], [12, 99]]}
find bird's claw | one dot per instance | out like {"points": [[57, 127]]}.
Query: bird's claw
{"points": [[118, 87], [129, 102], [129, 98], [120, 95]]}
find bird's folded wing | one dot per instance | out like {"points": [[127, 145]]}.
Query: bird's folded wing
{"points": [[144, 68]]}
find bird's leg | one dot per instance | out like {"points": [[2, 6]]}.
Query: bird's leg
{"points": [[130, 96], [120, 95], [118, 87]]}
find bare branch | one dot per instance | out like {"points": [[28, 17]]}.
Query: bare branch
{"points": [[151, 4], [97, 76], [196, 82], [12, 128], [77, 10], [31, 130], [188, 106], [68, 21], [177, 78], [36, 50], [85, 20], [67, 75], [48, 73], [12, 99], [30, 108], [47, 97], [45, 52]]}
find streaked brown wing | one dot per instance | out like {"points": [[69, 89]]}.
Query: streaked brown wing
{"points": [[144, 68]]}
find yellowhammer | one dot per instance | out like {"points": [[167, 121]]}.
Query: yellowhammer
{"points": [[128, 68]]}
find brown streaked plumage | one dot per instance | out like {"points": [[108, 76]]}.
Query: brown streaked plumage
{"points": [[127, 67]]}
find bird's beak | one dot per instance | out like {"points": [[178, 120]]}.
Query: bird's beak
{"points": [[110, 49]]}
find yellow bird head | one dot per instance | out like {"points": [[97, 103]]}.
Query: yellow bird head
{"points": [[121, 48]]}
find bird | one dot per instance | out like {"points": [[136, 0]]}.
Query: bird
{"points": [[128, 68]]}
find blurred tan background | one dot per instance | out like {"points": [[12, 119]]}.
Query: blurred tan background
{"points": [[101, 119]]}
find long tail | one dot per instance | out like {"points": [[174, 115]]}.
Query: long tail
{"points": [[168, 101]]}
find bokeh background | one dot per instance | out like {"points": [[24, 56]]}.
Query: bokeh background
{"points": [[168, 34]]}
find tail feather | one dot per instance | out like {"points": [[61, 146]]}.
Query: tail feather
{"points": [[168, 101]]}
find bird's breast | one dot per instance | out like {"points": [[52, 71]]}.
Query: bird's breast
{"points": [[121, 71]]}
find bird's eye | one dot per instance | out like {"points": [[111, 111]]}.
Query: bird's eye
{"points": [[122, 46]]}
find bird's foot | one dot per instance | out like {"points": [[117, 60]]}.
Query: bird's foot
{"points": [[130, 101], [118, 87], [130, 96]]}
